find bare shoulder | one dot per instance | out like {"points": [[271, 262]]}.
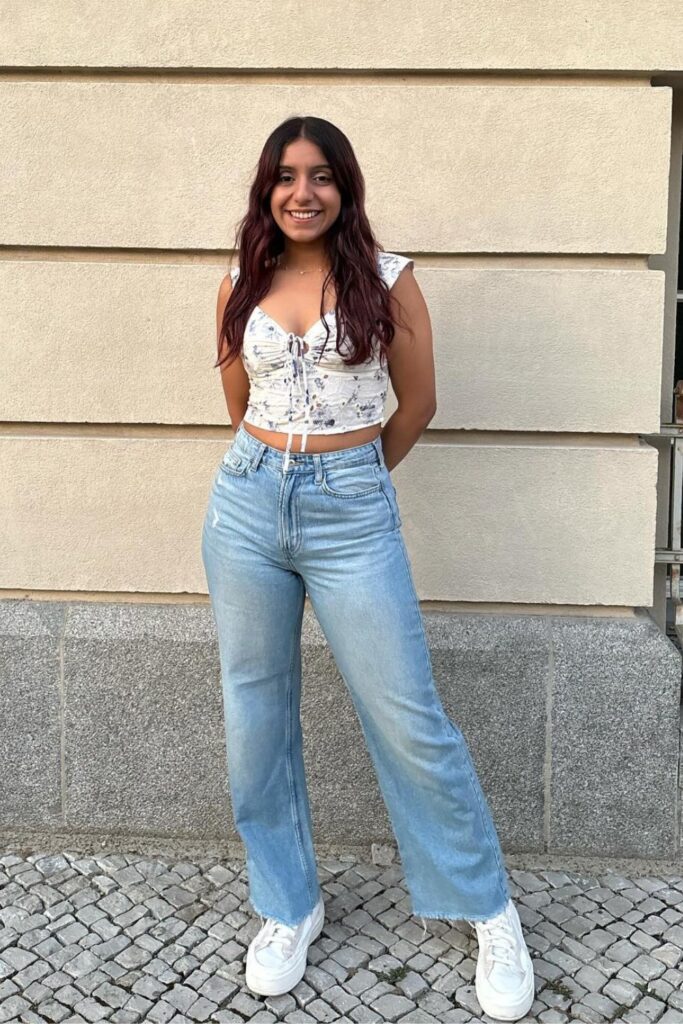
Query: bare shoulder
{"points": [[224, 293], [411, 356]]}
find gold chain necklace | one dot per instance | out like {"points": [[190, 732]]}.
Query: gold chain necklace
{"points": [[312, 271], [294, 270]]}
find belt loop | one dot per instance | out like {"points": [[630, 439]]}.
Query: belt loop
{"points": [[249, 441], [318, 463], [258, 455], [377, 441]]}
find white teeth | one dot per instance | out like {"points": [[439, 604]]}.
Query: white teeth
{"points": [[304, 216]]}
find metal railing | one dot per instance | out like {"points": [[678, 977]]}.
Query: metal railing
{"points": [[673, 554]]}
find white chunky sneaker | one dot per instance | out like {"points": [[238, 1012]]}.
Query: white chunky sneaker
{"points": [[504, 980], [277, 956]]}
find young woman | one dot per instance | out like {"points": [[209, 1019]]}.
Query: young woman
{"points": [[311, 325]]}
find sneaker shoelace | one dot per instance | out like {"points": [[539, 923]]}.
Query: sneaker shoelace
{"points": [[501, 940], [277, 932]]}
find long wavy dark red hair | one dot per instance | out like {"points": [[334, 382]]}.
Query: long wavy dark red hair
{"points": [[363, 310]]}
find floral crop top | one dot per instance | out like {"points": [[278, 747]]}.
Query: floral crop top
{"points": [[300, 385]]}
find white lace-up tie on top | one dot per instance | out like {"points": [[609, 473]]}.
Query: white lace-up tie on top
{"points": [[295, 344]]}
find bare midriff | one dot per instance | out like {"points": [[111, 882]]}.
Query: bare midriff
{"points": [[315, 443]]}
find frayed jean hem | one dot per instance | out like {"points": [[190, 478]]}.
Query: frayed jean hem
{"points": [[290, 924], [470, 918]]}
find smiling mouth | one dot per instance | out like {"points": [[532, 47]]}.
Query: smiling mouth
{"points": [[303, 215]]}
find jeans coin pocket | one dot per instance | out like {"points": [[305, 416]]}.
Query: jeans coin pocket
{"points": [[234, 463], [342, 481]]}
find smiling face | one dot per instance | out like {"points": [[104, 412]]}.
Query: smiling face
{"points": [[306, 187]]}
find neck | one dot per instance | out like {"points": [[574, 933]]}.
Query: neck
{"points": [[304, 255]]}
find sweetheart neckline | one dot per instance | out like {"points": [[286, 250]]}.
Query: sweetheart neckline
{"points": [[319, 321]]}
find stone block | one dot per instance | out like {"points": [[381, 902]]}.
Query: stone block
{"points": [[31, 702], [615, 722]]}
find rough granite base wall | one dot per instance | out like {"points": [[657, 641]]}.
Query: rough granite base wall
{"points": [[111, 718]]}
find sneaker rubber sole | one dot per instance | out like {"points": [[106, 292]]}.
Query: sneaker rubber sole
{"points": [[511, 1011]]}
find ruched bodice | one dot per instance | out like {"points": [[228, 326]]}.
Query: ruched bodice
{"points": [[300, 384]]}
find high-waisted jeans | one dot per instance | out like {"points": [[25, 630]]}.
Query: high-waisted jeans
{"points": [[329, 525]]}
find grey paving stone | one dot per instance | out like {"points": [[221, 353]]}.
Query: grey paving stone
{"points": [[660, 989], [82, 964], [567, 963], [181, 997], [340, 999], [669, 954], [29, 1017], [674, 934], [12, 1008], [92, 1010], [321, 1010], [435, 1003], [364, 1015], [217, 988], [623, 951], [412, 986], [164, 1012], [361, 981], [651, 1008], [129, 938], [598, 940], [654, 926], [643, 940], [418, 1017], [580, 1011], [203, 1008], [467, 999], [607, 1007], [577, 926], [111, 995], [592, 980], [390, 1007], [448, 983], [528, 881], [371, 994], [51, 1010], [622, 992], [558, 913], [647, 967]]}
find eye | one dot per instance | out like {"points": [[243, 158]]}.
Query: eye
{"points": [[323, 179]]}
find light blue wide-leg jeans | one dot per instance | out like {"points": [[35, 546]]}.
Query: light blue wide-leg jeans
{"points": [[329, 525]]}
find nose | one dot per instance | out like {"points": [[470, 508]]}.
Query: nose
{"points": [[302, 191]]}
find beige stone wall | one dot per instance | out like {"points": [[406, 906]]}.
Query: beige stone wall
{"points": [[529, 180], [367, 35]]}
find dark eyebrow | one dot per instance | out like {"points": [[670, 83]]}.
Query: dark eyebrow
{"points": [[286, 167]]}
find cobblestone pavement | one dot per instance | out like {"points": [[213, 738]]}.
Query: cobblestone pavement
{"points": [[132, 938]]}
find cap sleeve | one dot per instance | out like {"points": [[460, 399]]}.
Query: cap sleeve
{"points": [[390, 266], [234, 274]]}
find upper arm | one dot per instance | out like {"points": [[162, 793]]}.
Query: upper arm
{"points": [[411, 359], [234, 377]]}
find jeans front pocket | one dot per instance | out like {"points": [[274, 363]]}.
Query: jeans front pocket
{"points": [[355, 481], [389, 492]]}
